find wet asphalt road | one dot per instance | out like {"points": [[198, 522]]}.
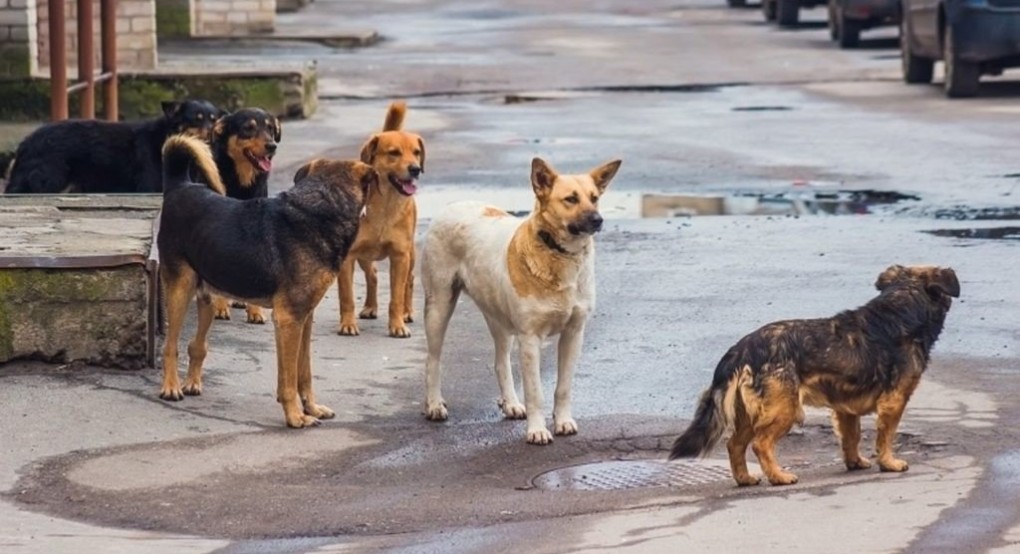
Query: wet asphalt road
{"points": [[769, 109]]}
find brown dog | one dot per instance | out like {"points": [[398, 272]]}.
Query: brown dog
{"points": [[862, 361], [387, 228], [282, 253]]}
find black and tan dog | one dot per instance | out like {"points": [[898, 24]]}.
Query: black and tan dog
{"points": [[862, 361], [281, 253], [105, 157], [243, 146], [388, 227]]}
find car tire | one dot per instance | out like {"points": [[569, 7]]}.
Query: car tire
{"points": [[833, 23], [787, 13], [963, 78], [916, 70], [849, 31], [736, 3], [768, 9]]}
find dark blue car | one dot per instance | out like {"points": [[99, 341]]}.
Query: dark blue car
{"points": [[972, 38]]}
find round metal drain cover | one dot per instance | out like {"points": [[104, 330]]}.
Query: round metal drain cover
{"points": [[621, 475]]}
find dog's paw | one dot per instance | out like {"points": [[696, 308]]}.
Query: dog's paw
{"points": [[567, 426], [513, 410], [256, 316], [349, 330], [539, 436], [409, 317], [222, 312], [436, 411], [369, 312], [302, 421], [238, 304], [192, 388], [399, 331], [747, 480], [895, 465], [860, 463], [319, 411], [172, 394], [783, 478]]}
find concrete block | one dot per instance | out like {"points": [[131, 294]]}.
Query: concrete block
{"points": [[246, 5], [18, 34], [13, 17], [145, 23], [237, 17]]}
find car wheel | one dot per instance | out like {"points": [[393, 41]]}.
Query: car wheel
{"points": [[768, 9], [849, 31], [736, 3], [916, 70], [787, 12], [962, 77], [833, 24]]}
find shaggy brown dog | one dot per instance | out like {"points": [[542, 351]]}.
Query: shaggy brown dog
{"points": [[281, 253], [862, 361]]}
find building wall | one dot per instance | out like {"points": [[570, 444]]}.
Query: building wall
{"points": [[233, 17], [136, 35], [18, 50]]}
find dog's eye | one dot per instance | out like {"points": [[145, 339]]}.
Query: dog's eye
{"points": [[594, 199], [417, 153], [393, 153], [572, 199]]}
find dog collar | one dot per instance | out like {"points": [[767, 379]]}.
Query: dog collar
{"points": [[549, 241]]}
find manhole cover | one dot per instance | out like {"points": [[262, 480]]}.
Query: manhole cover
{"points": [[621, 475]]}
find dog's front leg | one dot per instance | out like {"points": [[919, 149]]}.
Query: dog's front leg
{"points": [[400, 266], [345, 284], [568, 349], [289, 331], [530, 346]]}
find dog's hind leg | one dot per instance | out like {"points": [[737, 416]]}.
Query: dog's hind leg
{"points": [[848, 429], [254, 314], [400, 268], [508, 401], [199, 346], [778, 411], [221, 308], [305, 376], [289, 336], [371, 308], [530, 347], [441, 293], [179, 288], [409, 294], [743, 433]]}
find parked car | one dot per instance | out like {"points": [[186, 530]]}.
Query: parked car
{"points": [[786, 12], [847, 18], [971, 37]]}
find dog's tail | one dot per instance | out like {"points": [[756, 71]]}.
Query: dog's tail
{"points": [[716, 409], [395, 116], [180, 154]]}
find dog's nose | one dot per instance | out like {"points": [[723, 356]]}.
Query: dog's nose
{"points": [[414, 171], [595, 221], [271, 147]]}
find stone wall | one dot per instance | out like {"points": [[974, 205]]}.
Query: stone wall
{"points": [[18, 50], [233, 17], [136, 35]]}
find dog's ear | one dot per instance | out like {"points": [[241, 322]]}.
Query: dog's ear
{"points": [[605, 173], [303, 172], [170, 108], [221, 113], [889, 276], [368, 150], [369, 177], [542, 177], [421, 159], [219, 128], [277, 129], [944, 281]]}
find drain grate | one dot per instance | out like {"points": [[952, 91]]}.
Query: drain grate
{"points": [[622, 475]]}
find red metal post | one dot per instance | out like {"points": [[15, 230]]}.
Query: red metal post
{"points": [[86, 59], [108, 13], [58, 61]]}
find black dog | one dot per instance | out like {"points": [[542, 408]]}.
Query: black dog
{"points": [[281, 253], [243, 146], [103, 156]]}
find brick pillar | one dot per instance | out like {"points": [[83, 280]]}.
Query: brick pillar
{"points": [[18, 49], [136, 35], [233, 17]]}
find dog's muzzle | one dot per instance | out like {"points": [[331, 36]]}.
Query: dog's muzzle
{"points": [[590, 224]]}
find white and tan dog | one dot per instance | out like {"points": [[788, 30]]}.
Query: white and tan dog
{"points": [[531, 279]]}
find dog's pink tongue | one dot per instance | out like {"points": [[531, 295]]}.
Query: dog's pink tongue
{"points": [[410, 187], [265, 164]]}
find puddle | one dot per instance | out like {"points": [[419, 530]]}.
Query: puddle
{"points": [[638, 204], [966, 213], [993, 233], [762, 109]]}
